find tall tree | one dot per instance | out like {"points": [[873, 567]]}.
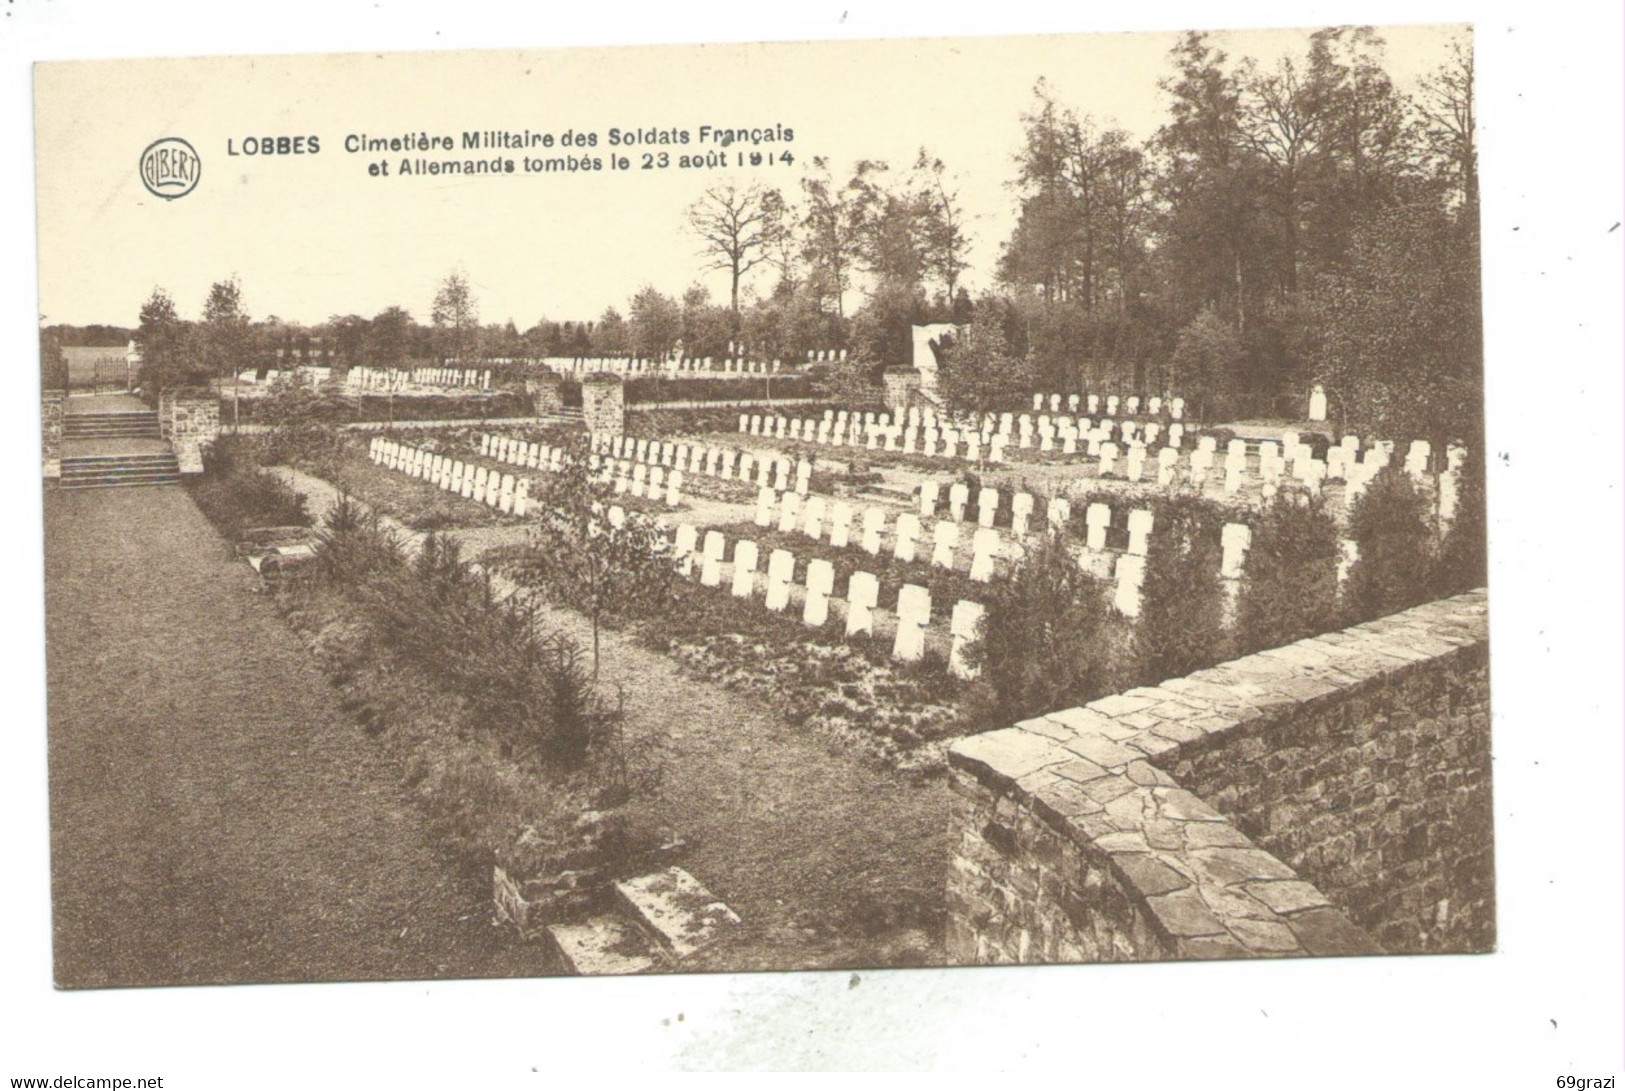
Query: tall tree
{"points": [[1210, 227], [944, 244], [1366, 154], [1399, 334], [830, 229], [1446, 108], [609, 337], [1284, 125], [390, 338], [161, 339], [739, 230], [456, 319], [224, 334], [349, 338], [1081, 232], [654, 323]]}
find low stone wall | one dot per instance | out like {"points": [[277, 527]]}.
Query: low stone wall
{"points": [[51, 432], [188, 424], [1328, 797], [603, 404]]}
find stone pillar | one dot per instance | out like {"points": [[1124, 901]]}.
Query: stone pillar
{"points": [[603, 404], [545, 393], [900, 388], [51, 432], [189, 424]]}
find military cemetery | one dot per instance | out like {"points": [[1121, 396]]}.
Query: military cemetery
{"points": [[1103, 592]]}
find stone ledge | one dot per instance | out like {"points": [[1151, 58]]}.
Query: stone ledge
{"points": [[1096, 775]]}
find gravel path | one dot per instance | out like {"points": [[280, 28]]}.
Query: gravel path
{"points": [[829, 861], [215, 816]]}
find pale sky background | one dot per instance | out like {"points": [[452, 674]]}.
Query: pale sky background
{"points": [[312, 236]]}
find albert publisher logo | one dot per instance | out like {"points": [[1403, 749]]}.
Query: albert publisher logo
{"points": [[170, 168]]}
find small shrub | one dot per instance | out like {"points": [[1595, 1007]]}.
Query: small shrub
{"points": [[354, 548], [1463, 563], [1291, 580], [1041, 643], [1389, 524], [1181, 626]]}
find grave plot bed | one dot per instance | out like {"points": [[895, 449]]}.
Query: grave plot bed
{"points": [[848, 689], [946, 585], [831, 475], [707, 487], [413, 502]]}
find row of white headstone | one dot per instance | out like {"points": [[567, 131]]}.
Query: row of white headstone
{"points": [[315, 376], [913, 609], [969, 440], [1091, 404], [812, 516], [1057, 511], [651, 482], [508, 493], [687, 367], [641, 481], [1127, 567], [451, 377], [400, 379], [711, 460]]}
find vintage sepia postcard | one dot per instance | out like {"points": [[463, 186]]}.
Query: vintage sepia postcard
{"points": [[791, 506]]}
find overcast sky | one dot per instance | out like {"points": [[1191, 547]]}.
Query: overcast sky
{"points": [[314, 235]]}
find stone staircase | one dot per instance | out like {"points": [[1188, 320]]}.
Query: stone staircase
{"points": [[125, 425], [656, 922], [119, 471]]}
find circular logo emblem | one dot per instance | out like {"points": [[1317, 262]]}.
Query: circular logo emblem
{"points": [[170, 168]]}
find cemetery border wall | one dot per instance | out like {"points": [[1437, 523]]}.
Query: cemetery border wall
{"points": [[1329, 797]]}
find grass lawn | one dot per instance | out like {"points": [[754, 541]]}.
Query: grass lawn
{"points": [[215, 815]]}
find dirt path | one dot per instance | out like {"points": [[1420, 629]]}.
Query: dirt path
{"points": [[215, 816], [829, 861]]}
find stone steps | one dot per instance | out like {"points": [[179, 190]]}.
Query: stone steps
{"points": [[119, 471], [655, 922], [673, 909], [605, 944], [133, 425]]}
